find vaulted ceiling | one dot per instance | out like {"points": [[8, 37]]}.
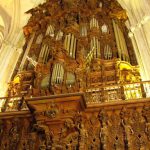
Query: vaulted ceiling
{"points": [[12, 16], [12, 13]]}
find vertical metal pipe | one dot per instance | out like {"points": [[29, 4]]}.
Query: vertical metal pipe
{"points": [[125, 46], [117, 38], [74, 49], [62, 73], [121, 42], [99, 45], [53, 74], [85, 30], [57, 74], [94, 43], [91, 46], [65, 42], [107, 52], [40, 53], [93, 22], [27, 51], [71, 45], [98, 49], [47, 31], [97, 25], [68, 42], [44, 54], [90, 23]]}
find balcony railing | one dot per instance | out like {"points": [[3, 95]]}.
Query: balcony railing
{"points": [[119, 92], [93, 95], [12, 104]]}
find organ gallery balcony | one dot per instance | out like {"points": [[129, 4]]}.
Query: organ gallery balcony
{"points": [[93, 96]]}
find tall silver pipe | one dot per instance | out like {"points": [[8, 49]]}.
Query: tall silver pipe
{"points": [[26, 52]]}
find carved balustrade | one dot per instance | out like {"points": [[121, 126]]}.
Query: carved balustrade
{"points": [[95, 95], [118, 92]]}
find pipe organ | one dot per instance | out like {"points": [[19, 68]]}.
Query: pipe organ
{"points": [[107, 52], [81, 46], [44, 54], [120, 41], [30, 42], [83, 31], [96, 44], [70, 44], [94, 23], [81, 85], [57, 74]]}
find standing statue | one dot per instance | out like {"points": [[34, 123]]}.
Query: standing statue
{"points": [[117, 145], [146, 115], [142, 143], [104, 136], [103, 118], [147, 130], [42, 143], [83, 135], [49, 139], [14, 135], [32, 140], [46, 137], [128, 132], [1, 127]]}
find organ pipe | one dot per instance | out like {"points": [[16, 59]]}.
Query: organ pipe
{"points": [[96, 44], [83, 31], [43, 57], [107, 52], [94, 23], [121, 44], [57, 75], [74, 48], [125, 47], [116, 37], [70, 44], [27, 51]]}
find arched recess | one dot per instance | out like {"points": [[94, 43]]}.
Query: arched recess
{"points": [[9, 52], [5, 22], [139, 24]]}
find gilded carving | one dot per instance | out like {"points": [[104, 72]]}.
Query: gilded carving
{"points": [[74, 70], [14, 134]]}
